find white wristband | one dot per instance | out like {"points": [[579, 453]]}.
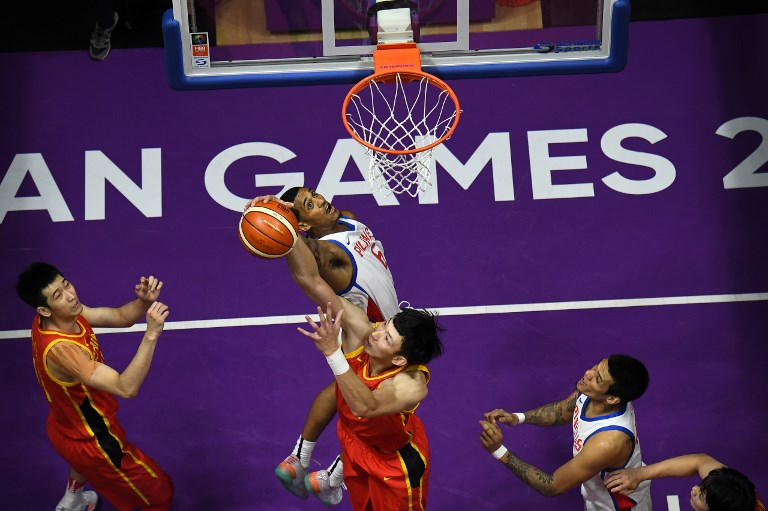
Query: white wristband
{"points": [[500, 452], [338, 363], [520, 417]]}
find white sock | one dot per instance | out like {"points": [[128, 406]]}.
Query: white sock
{"points": [[336, 472], [303, 450], [72, 499]]}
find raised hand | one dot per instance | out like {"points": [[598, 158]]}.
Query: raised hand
{"points": [[502, 416], [265, 198], [491, 436], [156, 316], [326, 333], [148, 289]]}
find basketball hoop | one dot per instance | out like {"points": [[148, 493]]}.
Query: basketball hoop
{"points": [[399, 114]]}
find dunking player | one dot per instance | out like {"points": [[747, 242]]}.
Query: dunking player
{"points": [[351, 261], [380, 379], [81, 389], [721, 488], [604, 433]]}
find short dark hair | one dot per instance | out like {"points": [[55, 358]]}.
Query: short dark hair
{"points": [[290, 196], [630, 377], [419, 329], [726, 489], [33, 280]]}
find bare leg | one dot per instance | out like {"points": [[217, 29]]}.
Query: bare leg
{"points": [[320, 414], [77, 476]]}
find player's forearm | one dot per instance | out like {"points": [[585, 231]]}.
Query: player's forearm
{"points": [[552, 414], [130, 313], [130, 380], [530, 475], [680, 466], [357, 395]]}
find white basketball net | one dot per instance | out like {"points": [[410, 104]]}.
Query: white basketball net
{"points": [[403, 115]]}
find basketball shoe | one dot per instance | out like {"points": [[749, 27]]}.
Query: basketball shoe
{"points": [[89, 503], [319, 484], [291, 474], [100, 40]]}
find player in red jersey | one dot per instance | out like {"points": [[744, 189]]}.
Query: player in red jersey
{"points": [[381, 378], [721, 488], [351, 260], [80, 389]]}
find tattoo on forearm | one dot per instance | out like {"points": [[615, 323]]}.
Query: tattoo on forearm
{"points": [[553, 414], [532, 476]]}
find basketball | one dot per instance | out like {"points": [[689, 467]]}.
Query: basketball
{"points": [[268, 230]]}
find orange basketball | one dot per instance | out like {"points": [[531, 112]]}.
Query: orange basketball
{"points": [[268, 230]]}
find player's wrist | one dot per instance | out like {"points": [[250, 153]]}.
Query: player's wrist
{"points": [[338, 362], [500, 452], [520, 417]]}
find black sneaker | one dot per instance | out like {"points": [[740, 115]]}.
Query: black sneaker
{"points": [[100, 44]]}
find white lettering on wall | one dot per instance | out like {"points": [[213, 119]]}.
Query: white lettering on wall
{"points": [[331, 185], [217, 168], [148, 198], [664, 171], [50, 198], [744, 175], [542, 164], [494, 149]]}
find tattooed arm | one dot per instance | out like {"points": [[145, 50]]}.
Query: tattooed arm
{"points": [[552, 414], [604, 450]]}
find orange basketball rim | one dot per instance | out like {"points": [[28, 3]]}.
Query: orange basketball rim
{"points": [[395, 120]]}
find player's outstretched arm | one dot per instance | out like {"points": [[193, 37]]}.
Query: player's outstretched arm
{"points": [[626, 481], [402, 392], [605, 450], [552, 414], [147, 291], [69, 362]]}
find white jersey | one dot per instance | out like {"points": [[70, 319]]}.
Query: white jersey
{"points": [[596, 496], [372, 287]]}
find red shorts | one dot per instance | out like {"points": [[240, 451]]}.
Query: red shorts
{"points": [[117, 469], [386, 482]]}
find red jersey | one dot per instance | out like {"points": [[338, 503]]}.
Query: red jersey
{"points": [[386, 433], [75, 410]]}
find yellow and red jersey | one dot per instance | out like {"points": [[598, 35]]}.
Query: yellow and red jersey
{"points": [[386, 433], [76, 410]]}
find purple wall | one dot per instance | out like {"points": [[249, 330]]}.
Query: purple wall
{"points": [[497, 242]]}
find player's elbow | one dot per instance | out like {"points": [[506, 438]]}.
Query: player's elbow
{"points": [[363, 412]]}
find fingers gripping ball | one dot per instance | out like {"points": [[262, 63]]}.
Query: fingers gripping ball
{"points": [[268, 230]]}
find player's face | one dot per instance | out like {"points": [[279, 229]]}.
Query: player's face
{"points": [[314, 210], [384, 342], [595, 381], [61, 298], [697, 500]]}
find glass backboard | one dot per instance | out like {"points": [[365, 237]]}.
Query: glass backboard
{"points": [[211, 44]]}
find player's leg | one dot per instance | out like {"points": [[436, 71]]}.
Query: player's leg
{"points": [[327, 485], [75, 498], [400, 482], [291, 470], [120, 472]]}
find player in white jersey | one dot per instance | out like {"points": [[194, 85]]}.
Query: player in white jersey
{"points": [[351, 260], [604, 435], [371, 286]]}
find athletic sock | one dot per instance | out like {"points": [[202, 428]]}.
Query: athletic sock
{"points": [[336, 472], [73, 497], [303, 451]]}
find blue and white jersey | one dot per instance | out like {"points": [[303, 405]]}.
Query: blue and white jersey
{"points": [[596, 496], [372, 287]]}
